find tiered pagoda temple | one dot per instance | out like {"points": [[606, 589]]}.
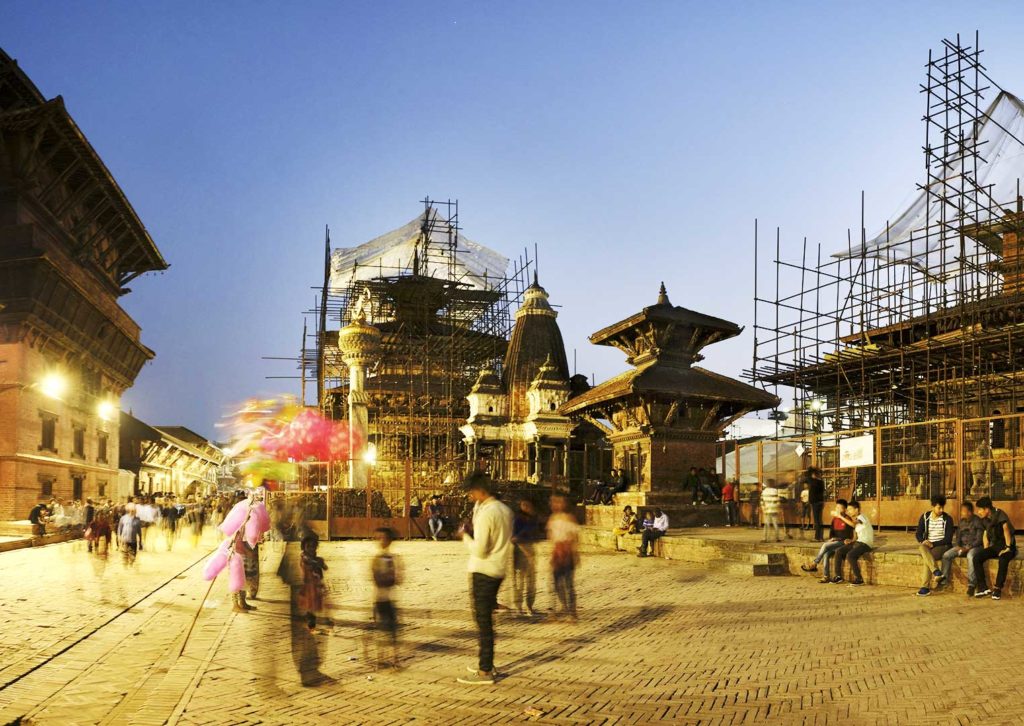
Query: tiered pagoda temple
{"points": [[665, 415]]}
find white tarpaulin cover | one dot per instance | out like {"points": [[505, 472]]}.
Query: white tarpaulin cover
{"points": [[914, 235], [392, 253], [782, 461]]}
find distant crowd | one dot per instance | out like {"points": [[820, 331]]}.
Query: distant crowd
{"points": [[131, 523]]}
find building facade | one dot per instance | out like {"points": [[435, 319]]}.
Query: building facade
{"points": [[169, 459], [70, 243]]}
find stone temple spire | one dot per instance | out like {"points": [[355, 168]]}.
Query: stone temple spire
{"points": [[663, 296]]}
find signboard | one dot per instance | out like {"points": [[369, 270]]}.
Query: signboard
{"points": [[857, 451]]}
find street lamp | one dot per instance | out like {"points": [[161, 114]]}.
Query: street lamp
{"points": [[106, 410], [53, 385]]}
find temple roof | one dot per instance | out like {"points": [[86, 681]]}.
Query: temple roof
{"points": [[59, 150], [675, 382], [535, 338], [665, 312]]}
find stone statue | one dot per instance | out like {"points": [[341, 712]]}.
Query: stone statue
{"points": [[362, 308]]}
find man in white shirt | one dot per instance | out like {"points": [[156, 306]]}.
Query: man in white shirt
{"points": [[653, 533], [490, 549], [771, 504], [854, 549]]}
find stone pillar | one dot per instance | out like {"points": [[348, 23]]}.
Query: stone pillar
{"points": [[537, 460], [358, 342]]}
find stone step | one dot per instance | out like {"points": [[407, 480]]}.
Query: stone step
{"points": [[752, 556], [737, 567]]}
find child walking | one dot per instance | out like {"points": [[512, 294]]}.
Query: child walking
{"points": [[311, 597], [386, 574]]}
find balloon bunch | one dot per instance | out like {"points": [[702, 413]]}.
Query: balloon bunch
{"points": [[268, 437], [308, 436]]}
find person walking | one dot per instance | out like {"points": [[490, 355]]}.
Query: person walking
{"points": [[563, 533], [771, 505], [816, 498], [490, 548], [730, 495], [524, 560]]}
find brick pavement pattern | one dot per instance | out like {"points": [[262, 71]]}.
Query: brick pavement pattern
{"points": [[657, 642]]}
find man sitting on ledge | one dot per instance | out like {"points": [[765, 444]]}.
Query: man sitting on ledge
{"points": [[998, 542], [967, 544], [934, 537], [651, 535]]}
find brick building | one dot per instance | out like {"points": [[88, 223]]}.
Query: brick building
{"points": [[166, 459], [70, 243]]}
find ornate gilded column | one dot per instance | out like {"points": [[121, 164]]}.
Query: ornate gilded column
{"points": [[358, 342]]}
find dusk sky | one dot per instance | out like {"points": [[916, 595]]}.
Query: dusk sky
{"points": [[633, 142]]}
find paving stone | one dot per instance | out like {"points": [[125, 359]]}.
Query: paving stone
{"points": [[657, 641]]}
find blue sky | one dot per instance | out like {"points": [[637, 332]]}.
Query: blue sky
{"points": [[633, 142]]}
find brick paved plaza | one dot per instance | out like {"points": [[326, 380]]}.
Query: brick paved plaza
{"points": [[657, 641]]}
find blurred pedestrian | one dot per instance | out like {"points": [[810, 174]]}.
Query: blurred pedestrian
{"points": [[311, 596], [169, 521], [196, 521], [563, 533], [129, 534], [386, 571], [489, 540], [524, 560]]}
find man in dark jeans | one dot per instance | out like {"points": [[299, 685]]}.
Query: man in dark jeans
{"points": [[999, 542], [490, 549], [816, 498]]}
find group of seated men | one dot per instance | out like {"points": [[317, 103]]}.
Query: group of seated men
{"points": [[984, 533]]}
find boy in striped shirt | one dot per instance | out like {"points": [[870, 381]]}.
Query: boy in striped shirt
{"points": [[934, 536]]}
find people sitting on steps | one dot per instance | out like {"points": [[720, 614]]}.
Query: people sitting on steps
{"points": [[651, 534], [853, 549], [841, 530], [628, 524], [435, 517], [998, 542], [967, 544]]}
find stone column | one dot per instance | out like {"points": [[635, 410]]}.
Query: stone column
{"points": [[358, 342], [537, 460]]}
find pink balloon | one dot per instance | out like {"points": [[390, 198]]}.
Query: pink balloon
{"points": [[215, 564], [235, 519], [258, 524]]}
